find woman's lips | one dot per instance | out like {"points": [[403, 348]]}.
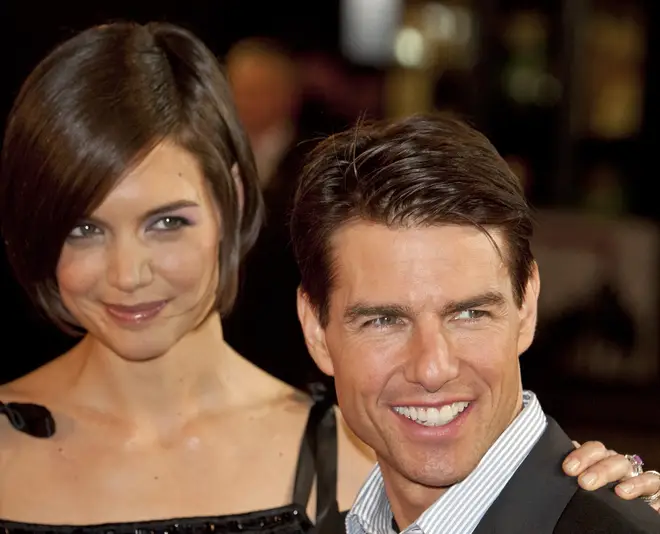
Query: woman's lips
{"points": [[136, 313]]}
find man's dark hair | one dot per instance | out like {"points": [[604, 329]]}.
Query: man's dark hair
{"points": [[418, 171]]}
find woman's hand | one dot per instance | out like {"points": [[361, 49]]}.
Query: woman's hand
{"points": [[595, 466]]}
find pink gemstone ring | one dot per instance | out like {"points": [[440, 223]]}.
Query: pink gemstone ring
{"points": [[637, 464]]}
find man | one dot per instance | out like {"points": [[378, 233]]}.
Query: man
{"points": [[419, 293]]}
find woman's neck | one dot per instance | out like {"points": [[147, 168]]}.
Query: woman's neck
{"points": [[200, 374]]}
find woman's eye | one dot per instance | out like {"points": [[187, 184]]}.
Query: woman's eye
{"points": [[170, 223], [84, 230]]}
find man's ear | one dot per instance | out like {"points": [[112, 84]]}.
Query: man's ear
{"points": [[238, 183], [529, 310], [314, 334]]}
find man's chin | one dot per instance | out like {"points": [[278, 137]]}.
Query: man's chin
{"points": [[438, 473], [440, 481]]}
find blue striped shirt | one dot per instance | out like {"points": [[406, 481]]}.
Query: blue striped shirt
{"points": [[462, 506]]}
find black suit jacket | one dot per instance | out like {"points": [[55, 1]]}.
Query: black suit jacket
{"points": [[541, 499]]}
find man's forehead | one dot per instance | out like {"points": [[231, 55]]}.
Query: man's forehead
{"points": [[374, 261], [359, 235]]}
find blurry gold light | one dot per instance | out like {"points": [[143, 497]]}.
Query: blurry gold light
{"points": [[409, 47]]}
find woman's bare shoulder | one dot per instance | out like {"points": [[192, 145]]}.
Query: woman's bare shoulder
{"points": [[9, 438], [37, 388], [14, 391]]}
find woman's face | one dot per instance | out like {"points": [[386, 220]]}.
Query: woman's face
{"points": [[142, 270]]}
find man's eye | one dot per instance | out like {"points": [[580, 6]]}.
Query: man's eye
{"points": [[471, 315], [383, 321]]}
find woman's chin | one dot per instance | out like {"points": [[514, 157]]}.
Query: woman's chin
{"points": [[143, 347]]}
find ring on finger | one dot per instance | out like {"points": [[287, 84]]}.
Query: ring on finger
{"points": [[651, 499], [636, 463]]}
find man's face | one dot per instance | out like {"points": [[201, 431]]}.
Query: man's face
{"points": [[423, 340]]}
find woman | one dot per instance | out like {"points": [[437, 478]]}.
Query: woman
{"points": [[128, 199]]}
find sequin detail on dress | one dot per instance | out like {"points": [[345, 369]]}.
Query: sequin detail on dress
{"points": [[286, 520]]}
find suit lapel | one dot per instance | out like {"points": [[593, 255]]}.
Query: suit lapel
{"points": [[535, 497]]}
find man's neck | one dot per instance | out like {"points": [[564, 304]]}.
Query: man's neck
{"points": [[408, 500]]}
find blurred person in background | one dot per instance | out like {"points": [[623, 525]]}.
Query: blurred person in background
{"points": [[266, 86], [267, 93]]}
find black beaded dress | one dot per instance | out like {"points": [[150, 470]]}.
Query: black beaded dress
{"points": [[318, 456]]}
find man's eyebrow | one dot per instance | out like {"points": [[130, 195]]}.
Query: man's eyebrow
{"points": [[490, 298], [362, 309]]}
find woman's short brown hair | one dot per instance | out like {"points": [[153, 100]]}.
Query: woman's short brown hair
{"points": [[91, 111]]}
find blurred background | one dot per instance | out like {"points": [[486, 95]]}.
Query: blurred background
{"points": [[566, 90]]}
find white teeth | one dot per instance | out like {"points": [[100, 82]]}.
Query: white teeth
{"points": [[432, 416]]}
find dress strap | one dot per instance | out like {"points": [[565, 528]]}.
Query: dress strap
{"points": [[318, 456], [31, 419]]}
